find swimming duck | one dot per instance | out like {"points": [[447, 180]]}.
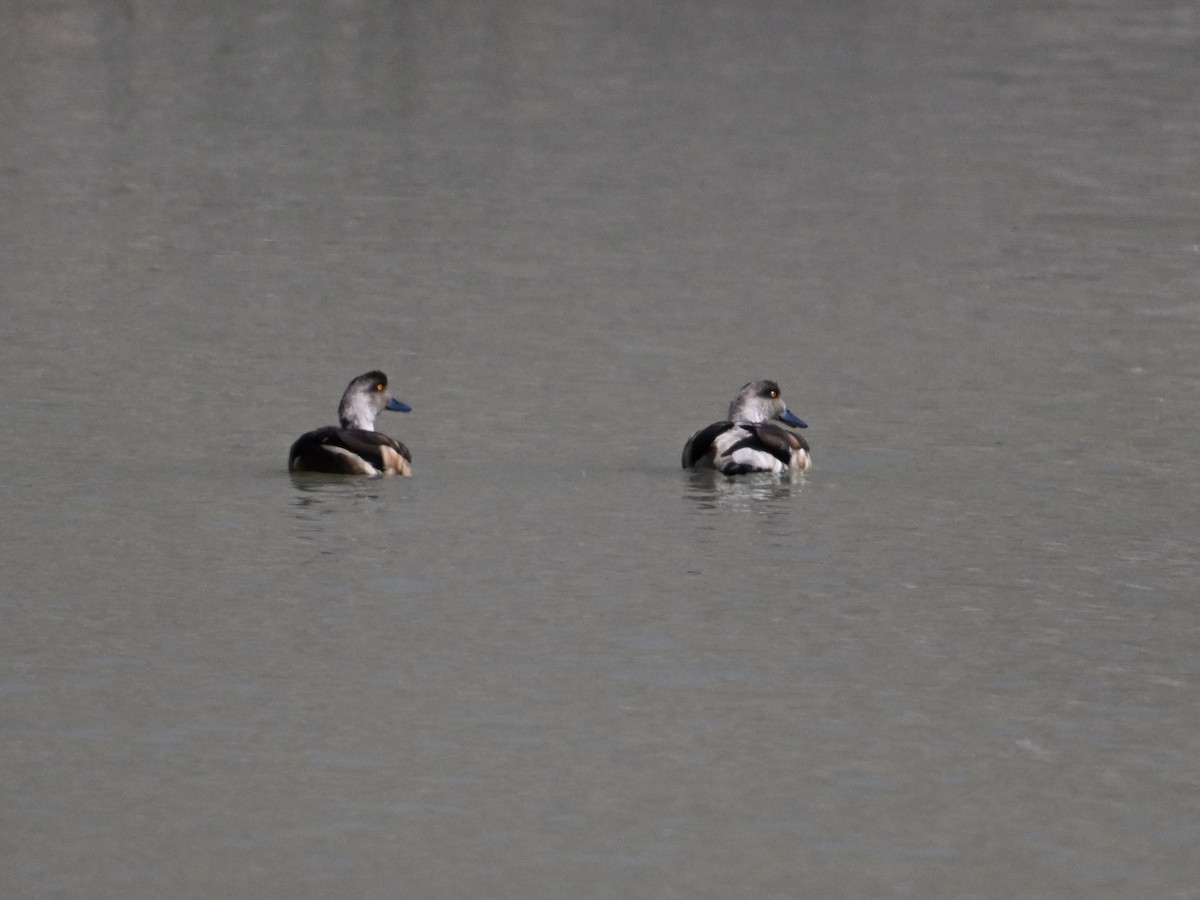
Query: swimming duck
{"points": [[748, 441], [355, 448]]}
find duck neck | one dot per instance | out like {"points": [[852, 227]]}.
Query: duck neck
{"points": [[357, 412]]}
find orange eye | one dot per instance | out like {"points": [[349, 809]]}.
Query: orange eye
{"points": [[379, 387], [774, 394]]}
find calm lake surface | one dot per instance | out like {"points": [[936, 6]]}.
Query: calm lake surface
{"points": [[959, 658]]}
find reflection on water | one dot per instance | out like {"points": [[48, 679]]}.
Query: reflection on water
{"points": [[760, 494], [320, 498], [314, 485]]}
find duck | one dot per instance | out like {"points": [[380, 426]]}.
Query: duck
{"points": [[354, 447], [748, 440]]}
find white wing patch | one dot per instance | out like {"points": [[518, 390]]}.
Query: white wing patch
{"points": [[757, 459]]}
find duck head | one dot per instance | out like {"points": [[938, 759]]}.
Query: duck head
{"points": [[365, 398], [762, 401]]}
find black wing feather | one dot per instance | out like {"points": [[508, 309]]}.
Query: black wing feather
{"points": [[367, 443], [699, 445], [777, 441], [313, 449]]}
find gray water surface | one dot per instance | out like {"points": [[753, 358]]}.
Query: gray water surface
{"points": [[959, 658]]}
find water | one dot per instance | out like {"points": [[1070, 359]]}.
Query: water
{"points": [[958, 659]]}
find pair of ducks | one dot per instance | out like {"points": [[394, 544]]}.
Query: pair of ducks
{"points": [[747, 440]]}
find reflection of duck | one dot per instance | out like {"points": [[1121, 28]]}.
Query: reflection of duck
{"points": [[355, 448], [747, 441]]}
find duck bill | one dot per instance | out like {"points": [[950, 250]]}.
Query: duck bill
{"points": [[792, 419], [397, 405]]}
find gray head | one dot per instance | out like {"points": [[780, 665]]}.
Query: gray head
{"points": [[365, 398], [762, 401]]}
